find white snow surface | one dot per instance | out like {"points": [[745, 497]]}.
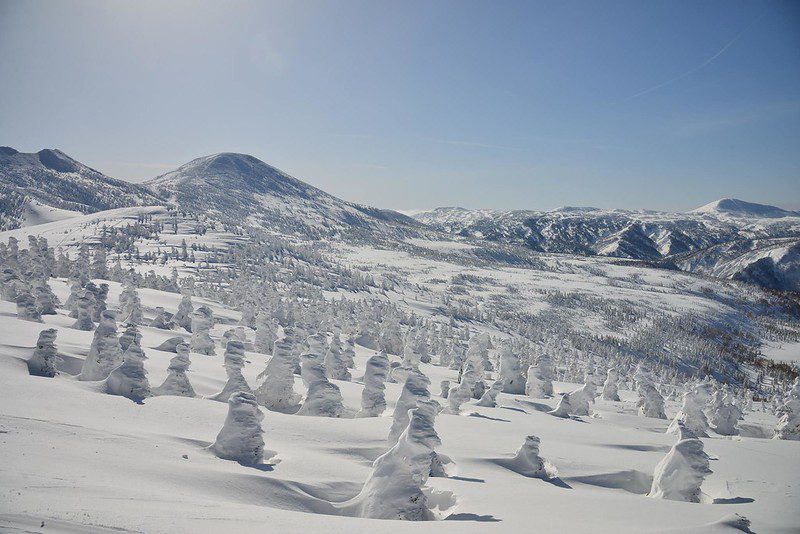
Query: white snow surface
{"points": [[83, 461]]}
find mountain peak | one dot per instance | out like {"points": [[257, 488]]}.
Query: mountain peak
{"points": [[740, 208], [244, 188]]}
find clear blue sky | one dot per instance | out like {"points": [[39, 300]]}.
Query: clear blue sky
{"points": [[407, 104]]}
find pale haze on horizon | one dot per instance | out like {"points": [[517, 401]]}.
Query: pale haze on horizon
{"points": [[513, 105]]}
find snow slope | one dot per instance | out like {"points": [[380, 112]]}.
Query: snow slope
{"points": [[86, 461], [52, 178]]}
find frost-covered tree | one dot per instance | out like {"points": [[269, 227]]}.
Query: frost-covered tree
{"points": [[680, 474], [445, 385], [373, 400], [611, 385], [415, 391], [724, 415], [27, 309], [579, 401], [201, 342], [84, 303], [234, 363], [540, 378], [45, 356], [130, 305], [162, 319], [46, 300], [335, 363], [75, 290], [489, 397], [651, 403], [241, 438], [527, 461], [349, 352], [789, 422], [395, 488], [563, 408], [99, 294], [463, 391], [276, 392], [691, 416], [265, 333], [183, 317], [105, 353], [177, 383], [323, 398], [130, 379], [510, 371]]}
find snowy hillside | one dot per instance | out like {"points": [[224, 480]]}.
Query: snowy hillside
{"points": [[258, 355], [315, 451], [713, 231], [242, 188], [35, 185]]}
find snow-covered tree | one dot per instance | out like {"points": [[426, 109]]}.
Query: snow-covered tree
{"points": [[183, 317], [335, 363], [463, 391], [276, 392], [445, 385], [651, 403], [27, 309], [201, 342], [234, 363], [724, 415], [349, 352], [415, 391], [177, 383], [540, 378], [45, 356], [241, 438], [265, 333], [84, 303], [162, 319], [563, 408], [394, 489], [611, 385], [373, 400], [130, 305], [510, 370], [130, 379], [680, 474], [691, 416], [489, 398], [789, 423], [581, 399], [527, 460], [323, 398], [46, 300], [105, 353]]}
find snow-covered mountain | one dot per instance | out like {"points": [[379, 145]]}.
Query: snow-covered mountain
{"points": [[48, 185], [739, 208], [245, 189], [728, 234]]}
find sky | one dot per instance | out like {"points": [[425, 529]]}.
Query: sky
{"points": [[410, 104]]}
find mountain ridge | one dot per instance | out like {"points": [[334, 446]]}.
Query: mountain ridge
{"points": [[53, 179]]}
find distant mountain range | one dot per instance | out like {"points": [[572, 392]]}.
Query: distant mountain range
{"points": [[727, 238]]}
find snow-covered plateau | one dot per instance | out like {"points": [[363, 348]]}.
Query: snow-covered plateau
{"points": [[228, 349]]}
